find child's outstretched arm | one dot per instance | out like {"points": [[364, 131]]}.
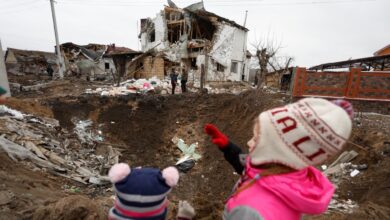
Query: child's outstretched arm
{"points": [[230, 150]]}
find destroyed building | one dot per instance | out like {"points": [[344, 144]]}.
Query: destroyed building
{"points": [[94, 60], [86, 60], [20, 62], [121, 56], [192, 38]]}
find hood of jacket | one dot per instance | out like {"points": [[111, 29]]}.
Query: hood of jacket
{"points": [[306, 190]]}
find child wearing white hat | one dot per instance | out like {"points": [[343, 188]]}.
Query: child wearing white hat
{"points": [[278, 179]]}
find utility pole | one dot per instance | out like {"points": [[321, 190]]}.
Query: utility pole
{"points": [[60, 62], [204, 74], [244, 50], [246, 15]]}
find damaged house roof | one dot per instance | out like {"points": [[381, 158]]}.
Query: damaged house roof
{"points": [[31, 55], [199, 10], [196, 10], [209, 15], [93, 52], [114, 50]]}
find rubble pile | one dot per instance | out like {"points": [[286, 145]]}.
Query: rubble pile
{"points": [[339, 171], [42, 144], [140, 86], [227, 88]]}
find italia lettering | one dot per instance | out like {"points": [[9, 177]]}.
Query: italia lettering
{"points": [[300, 141], [287, 126], [316, 154], [311, 157], [278, 111]]}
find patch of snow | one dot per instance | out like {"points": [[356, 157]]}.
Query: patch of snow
{"points": [[15, 114]]}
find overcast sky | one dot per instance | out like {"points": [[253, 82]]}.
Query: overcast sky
{"points": [[312, 31]]}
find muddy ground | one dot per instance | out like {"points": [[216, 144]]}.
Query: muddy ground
{"points": [[142, 128]]}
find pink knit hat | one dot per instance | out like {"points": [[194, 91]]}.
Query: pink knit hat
{"points": [[303, 133]]}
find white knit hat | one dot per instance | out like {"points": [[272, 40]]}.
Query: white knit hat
{"points": [[301, 134]]}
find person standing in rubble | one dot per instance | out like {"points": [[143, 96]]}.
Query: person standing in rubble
{"points": [[2, 95], [173, 77], [278, 177], [183, 81], [49, 70]]}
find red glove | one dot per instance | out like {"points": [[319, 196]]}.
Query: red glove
{"points": [[217, 137]]}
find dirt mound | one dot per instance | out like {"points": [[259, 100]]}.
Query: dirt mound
{"points": [[73, 207], [28, 189], [30, 106], [142, 128], [145, 126]]}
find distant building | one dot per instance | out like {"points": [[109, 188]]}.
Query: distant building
{"points": [[383, 51], [379, 62], [189, 38], [28, 61], [94, 60]]}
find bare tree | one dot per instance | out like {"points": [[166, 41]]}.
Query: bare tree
{"points": [[268, 58]]}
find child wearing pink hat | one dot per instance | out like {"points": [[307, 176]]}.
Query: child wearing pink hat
{"points": [[278, 180]]}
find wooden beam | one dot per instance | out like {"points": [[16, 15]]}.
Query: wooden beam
{"points": [[178, 22]]}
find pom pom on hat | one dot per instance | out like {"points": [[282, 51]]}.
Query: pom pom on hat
{"points": [[119, 172], [171, 176], [347, 106]]}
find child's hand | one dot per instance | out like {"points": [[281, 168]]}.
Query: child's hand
{"points": [[217, 137]]}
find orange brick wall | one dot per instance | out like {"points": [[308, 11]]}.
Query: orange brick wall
{"points": [[152, 66]]}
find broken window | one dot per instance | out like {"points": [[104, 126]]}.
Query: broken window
{"points": [[107, 65], [140, 65], [193, 64], [220, 67], [152, 35], [202, 28], [176, 24], [234, 67], [174, 33]]}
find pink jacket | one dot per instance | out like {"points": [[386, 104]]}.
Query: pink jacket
{"points": [[283, 196]]}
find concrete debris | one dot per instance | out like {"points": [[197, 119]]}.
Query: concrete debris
{"points": [[354, 173], [34, 87], [16, 152], [340, 171], [84, 131], [29, 138], [345, 157], [140, 86], [224, 88], [6, 197], [342, 206]]}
